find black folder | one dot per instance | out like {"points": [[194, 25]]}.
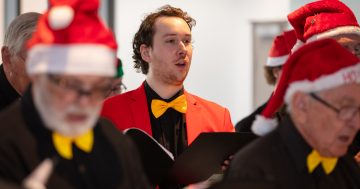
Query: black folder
{"points": [[155, 158], [201, 159]]}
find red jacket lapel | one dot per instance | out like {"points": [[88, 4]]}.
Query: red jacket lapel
{"points": [[139, 108], [193, 120]]}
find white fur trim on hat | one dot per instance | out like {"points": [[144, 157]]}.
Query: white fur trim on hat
{"points": [[297, 45], [262, 126], [346, 75], [336, 31], [92, 59], [276, 61], [60, 17]]}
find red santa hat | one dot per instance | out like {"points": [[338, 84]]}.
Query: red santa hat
{"points": [[322, 19], [71, 39], [317, 66], [281, 48]]}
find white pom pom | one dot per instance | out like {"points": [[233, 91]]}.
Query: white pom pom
{"points": [[60, 17], [262, 126]]}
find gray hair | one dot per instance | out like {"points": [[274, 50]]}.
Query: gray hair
{"points": [[19, 31]]}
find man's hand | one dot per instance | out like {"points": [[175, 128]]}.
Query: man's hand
{"points": [[227, 161], [357, 158]]}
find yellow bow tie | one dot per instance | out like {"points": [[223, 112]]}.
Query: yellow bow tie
{"points": [[159, 107], [314, 159], [63, 144]]}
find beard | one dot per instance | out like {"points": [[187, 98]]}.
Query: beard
{"points": [[56, 120], [170, 77]]}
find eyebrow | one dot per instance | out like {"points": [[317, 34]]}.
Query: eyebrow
{"points": [[173, 34]]}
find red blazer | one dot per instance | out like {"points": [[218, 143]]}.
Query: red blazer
{"points": [[131, 110]]}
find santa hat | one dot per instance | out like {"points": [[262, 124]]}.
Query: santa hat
{"points": [[71, 39], [322, 19], [317, 66], [281, 48]]}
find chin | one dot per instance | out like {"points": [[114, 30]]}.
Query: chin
{"points": [[179, 83], [174, 81], [181, 79], [66, 127], [74, 129]]}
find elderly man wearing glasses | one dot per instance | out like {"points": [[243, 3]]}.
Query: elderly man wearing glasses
{"points": [[328, 19], [308, 149], [53, 137]]}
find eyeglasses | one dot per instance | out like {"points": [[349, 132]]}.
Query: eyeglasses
{"points": [[117, 89], [357, 50], [345, 113], [68, 86]]}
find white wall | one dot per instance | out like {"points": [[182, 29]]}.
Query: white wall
{"points": [[222, 60], [33, 6], [2, 24]]}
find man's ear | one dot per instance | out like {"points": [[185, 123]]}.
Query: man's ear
{"points": [[5, 56], [145, 52], [300, 106]]}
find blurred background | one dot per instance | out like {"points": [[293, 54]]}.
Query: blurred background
{"points": [[231, 42]]}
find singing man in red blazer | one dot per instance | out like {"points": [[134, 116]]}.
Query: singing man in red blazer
{"points": [[160, 106]]}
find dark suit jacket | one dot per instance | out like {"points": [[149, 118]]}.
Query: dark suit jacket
{"points": [[8, 94], [24, 146], [131, 110], [280, 157]]}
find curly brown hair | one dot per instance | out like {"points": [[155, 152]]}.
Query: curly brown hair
{"points": [[146, 32]]}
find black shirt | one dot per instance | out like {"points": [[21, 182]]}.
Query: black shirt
{"points": [[7, 93], [170, 128]]}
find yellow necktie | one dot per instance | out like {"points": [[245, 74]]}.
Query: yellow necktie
{"points": [[159, 107], [63, 144], [314, 159]]}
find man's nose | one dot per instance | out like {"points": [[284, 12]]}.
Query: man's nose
{"points": [[182, 48], [84, 97]]}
